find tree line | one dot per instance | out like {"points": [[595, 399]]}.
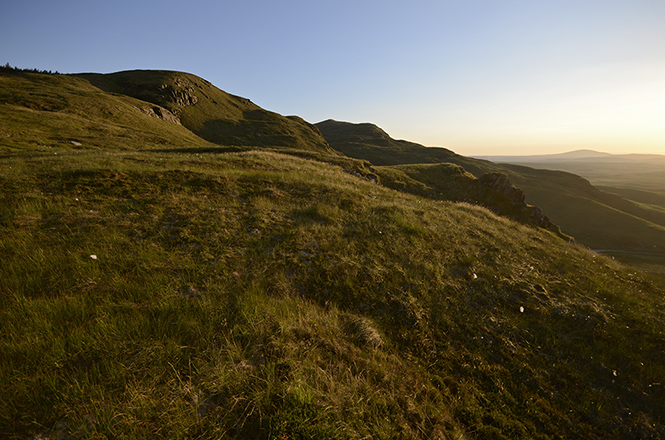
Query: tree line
{"points": [[7, 67]]}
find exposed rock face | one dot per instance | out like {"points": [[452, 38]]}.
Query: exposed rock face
{"points": [[501, 184], [161, 113], [182, 96], [509, 200], [540, 219]]}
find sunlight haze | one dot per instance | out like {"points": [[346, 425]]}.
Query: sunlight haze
{"points": [[478, 77]]}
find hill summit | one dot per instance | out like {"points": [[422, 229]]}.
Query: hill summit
{"points": [[209, 112]]}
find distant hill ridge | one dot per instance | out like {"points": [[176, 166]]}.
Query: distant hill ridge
{"points": [[576, 155], [174, 110], [361, 141], [616, 172], [570, 155]]}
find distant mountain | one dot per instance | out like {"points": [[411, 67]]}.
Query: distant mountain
{"points": [[571, 155], [637, 171]]}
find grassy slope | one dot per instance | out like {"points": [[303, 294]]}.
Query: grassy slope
{"points": [[315, 288], [212, 113], [43, 111], [599, 220], [446, 181], [651, 200], [261, 295]]}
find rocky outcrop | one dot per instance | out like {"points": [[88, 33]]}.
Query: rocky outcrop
{"points": [[160, 113], [504, 198], [541, 220], [182, 95], [501, 184]]}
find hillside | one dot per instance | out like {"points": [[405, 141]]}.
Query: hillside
{"points": [[598, 219], [171, 109], [54, 111], [204, 291], [211, 113], [446, 181], [368, 142]]}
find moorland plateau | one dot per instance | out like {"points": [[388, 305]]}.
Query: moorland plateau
{"points": [[177, 262]]}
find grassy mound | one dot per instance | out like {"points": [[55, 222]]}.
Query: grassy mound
{"points": [[369, 142]]}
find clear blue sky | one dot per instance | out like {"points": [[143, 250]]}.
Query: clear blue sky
{"points": [[476, 76]]}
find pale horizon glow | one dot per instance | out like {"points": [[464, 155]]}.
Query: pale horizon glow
{"points": [[479, 77]]}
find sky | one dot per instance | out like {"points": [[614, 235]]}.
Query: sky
{"points": [[480, 77]]}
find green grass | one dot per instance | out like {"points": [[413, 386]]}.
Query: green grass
{"points": [[211, 113], [51, 111], [296, 270], [256, 294]]}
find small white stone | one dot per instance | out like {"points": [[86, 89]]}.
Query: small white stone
{"points": [[521, 309], [93, 256]]}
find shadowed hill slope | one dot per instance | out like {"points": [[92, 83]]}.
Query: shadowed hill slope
{"points": [[170, 109], [598, 219], [211, 113]]}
